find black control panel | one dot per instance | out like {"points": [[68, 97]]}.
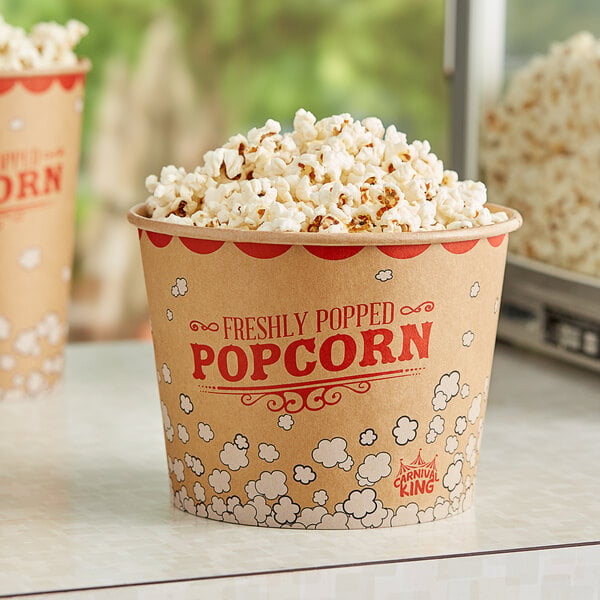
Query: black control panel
{"points": [[571, 333]]}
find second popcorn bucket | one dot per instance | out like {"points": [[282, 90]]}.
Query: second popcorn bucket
{"points": [[316, 381], [39, 160]]}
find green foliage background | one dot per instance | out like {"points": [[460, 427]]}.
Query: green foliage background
{"points": [[259, 59]]}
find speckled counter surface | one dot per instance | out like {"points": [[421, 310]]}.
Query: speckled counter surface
{"points": [[85, 509]]}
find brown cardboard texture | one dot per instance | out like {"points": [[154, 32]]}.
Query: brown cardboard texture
{"points": [[323, 381], [39, 157]]}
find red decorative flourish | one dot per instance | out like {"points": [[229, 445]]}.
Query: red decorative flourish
{"points": [[427, 306], [311, 398], [196, 325], [308, 395]]}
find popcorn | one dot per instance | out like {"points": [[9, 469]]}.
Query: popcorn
{"points": [[48, 45], [333, 175], [540, 154]]}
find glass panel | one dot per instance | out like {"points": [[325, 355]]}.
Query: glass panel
{"points": [[540, 144]]}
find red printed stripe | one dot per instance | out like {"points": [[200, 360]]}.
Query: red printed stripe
{"points": [[160, 240], [334, 252], [460, 247], [41, 83], [496, 240], [201, 246], [404, 251], [6, 84], [37, 85], [262, 250], [69, 81]]}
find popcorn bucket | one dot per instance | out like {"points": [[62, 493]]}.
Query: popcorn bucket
{"points": [[40, 131], [323, 381]]}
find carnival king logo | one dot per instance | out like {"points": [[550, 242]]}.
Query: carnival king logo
{"points": [[418, 477]]}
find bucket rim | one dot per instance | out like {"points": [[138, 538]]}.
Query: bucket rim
{"points": [[138, 216]]}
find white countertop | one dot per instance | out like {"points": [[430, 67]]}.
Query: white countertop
{"points": [[85, 509]]}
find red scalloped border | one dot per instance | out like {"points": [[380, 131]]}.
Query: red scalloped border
{"points": [[264, 251], [38, 84]]}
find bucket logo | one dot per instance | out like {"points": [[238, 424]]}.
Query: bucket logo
{"points": [[29, 178], [419, 477], [308, 360]]}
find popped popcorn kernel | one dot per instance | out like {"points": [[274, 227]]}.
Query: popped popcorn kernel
{"points": [[333, 175], [48, 45]]}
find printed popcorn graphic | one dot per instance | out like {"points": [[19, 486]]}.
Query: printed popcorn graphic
{"points": [[471, 449], [475, 290], [220, 481], [4, 328], [30, 258], [166, 373], [286, 422], [373, 468], [384, 275], [186, 404], [205, 432], [16, 124], [182, 433], [405, 430], [180, 288], [453, 476], [467, 338], [320, 497], [475, 409], [331, 453], [7, 362], [27, 343], [271, 484], [285, 511], [304, 474], [460, 425], [241, 441], [436, 427], [196, 466], [267, 452], [233, 457], [169, 431], [445, 390], [368, 437], [451, 444]]}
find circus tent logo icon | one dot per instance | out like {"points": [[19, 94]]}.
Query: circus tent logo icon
{"points": [[418, 477]]}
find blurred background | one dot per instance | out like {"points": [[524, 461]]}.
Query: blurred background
{"points": [[171, 79]]}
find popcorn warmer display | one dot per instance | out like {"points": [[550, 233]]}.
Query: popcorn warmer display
{"points": [[541, 152]]}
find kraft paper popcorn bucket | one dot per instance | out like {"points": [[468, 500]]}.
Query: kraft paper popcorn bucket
{"points": [[324, 381], [40, 131]]}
